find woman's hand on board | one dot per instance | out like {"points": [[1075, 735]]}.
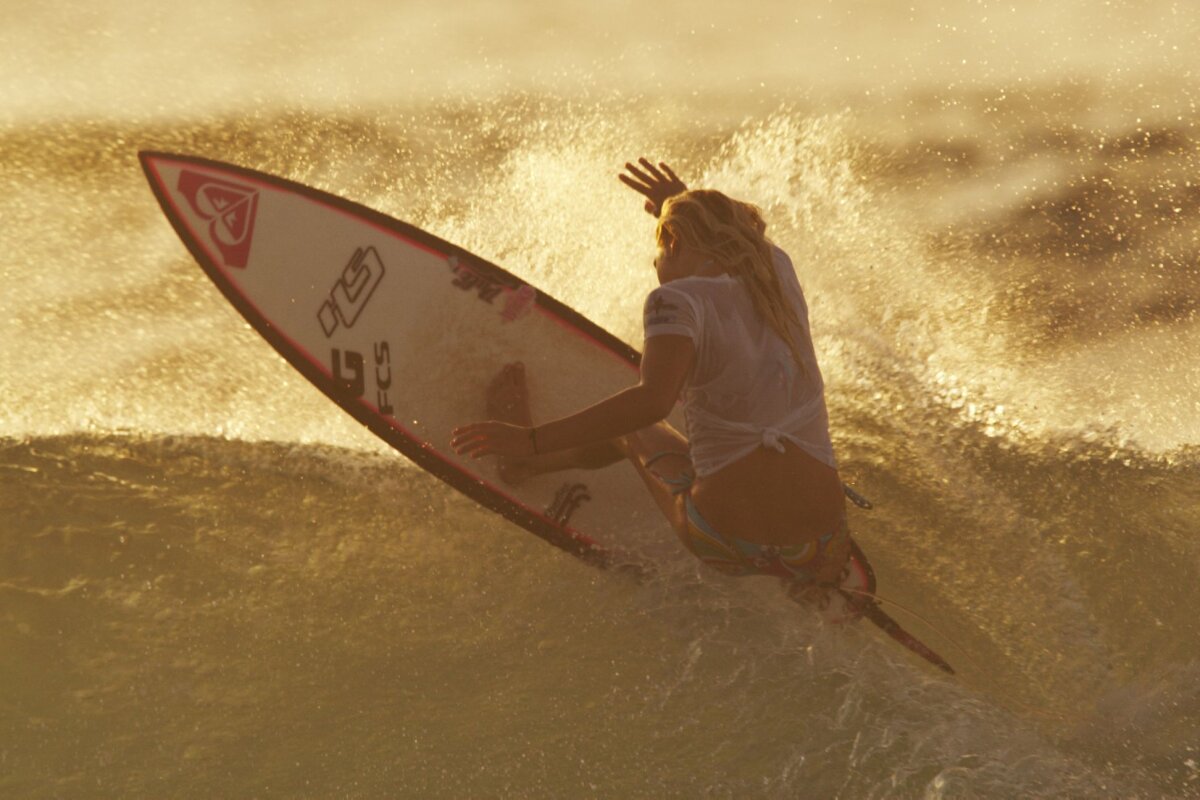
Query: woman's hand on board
{"points": [[492, 438], [656, 183]]}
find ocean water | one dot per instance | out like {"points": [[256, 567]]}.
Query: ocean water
{"points": [[213, 583]]}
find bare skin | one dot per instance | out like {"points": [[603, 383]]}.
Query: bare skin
{"points": [[767, 497], [656, 183], [508, 401]]}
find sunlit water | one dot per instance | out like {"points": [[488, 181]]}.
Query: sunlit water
{"points": [[214, 584]]}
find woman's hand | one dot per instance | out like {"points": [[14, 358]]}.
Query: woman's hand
{"points": [[492, 439], [656, 186]]}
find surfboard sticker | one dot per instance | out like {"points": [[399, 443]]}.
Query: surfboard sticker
{"points": [[405, 331]]}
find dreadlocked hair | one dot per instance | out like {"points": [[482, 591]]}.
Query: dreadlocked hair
{"points": [[733, 234]]}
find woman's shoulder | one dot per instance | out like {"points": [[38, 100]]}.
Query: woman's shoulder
{"points": [[671, 309], [672, 294], [692, 286], [699, 283], [694, 291]]}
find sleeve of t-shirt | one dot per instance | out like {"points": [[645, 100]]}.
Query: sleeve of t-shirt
{"points": [[670, 311]]}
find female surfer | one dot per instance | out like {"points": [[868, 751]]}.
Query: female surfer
{"points": [[754, 488]]}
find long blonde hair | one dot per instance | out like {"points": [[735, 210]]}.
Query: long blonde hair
{"points": [[733, 234]]}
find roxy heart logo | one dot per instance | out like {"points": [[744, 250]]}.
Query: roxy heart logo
{"points": [[229, 209]]}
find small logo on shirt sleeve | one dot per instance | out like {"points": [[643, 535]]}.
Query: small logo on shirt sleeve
{"points": [[661, 312]]}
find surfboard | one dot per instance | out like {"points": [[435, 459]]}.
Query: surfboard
{"points": [[404, 331]]}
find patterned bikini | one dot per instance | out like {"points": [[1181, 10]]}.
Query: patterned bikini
{"points": [[733, 556]]}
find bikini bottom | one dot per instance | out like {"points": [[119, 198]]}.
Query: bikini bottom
{"points": [[795, 564]]}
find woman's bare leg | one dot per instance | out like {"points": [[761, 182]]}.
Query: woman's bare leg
{"points": [[667, 471]]}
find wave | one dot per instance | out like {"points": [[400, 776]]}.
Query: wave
{"points": [[147, 577]]}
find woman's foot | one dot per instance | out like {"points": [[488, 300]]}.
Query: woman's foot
{"points": [[508, 401]]}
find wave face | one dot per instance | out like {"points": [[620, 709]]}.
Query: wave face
{"points": [[202, 616], [214, 584]]}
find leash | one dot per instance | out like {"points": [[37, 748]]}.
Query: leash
{"points": [[870, 606]]}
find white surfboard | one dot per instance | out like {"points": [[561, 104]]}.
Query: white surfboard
{"points": [[405, 331]]}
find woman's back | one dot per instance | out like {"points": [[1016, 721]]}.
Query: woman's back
{"points": [[757, 424]]}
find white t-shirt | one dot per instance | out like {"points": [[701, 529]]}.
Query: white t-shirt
{"points": [[744, 390]]}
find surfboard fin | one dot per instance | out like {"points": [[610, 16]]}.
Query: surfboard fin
{"points": [[885, 623], [868, 605]]}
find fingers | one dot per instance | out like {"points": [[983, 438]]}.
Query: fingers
{"points": [[475, 449], [650, 181], [464, 432], [658, 176], [637, 187], [655, 185], [487, 439], [637, 173], [469, 439], [460, 443]]}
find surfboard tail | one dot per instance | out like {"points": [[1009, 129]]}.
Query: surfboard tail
{"points": [[892, 628], [868, 606]]}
